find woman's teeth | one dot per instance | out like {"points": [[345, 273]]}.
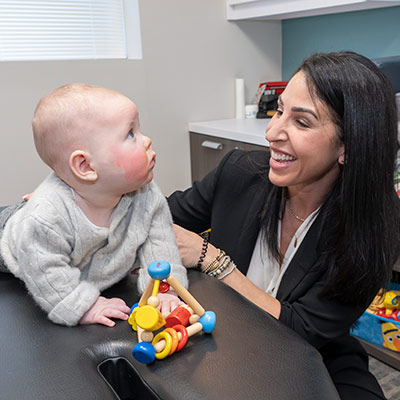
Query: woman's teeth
{"points": [[281, 157]]}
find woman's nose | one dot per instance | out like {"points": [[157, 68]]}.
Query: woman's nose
{"points": [[276, 130]]}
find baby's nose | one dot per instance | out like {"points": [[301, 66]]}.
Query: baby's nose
{"points": [[147, 142]]}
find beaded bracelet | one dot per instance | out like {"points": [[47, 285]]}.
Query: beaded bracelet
{"points": [[222, 267], [227, 271], [203, 251], [215, 263]]}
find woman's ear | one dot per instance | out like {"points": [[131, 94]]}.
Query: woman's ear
{"points": [[341, 157], [79, 163]]}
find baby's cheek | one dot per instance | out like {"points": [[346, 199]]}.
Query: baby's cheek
{"points": [[128, 165]]}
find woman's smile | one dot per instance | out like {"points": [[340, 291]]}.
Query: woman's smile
{"points": [[281, 157]]}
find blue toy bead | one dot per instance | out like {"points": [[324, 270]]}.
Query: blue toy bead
{"points": [[133, 307], [144, 352], [159, 270], [208, 321]]}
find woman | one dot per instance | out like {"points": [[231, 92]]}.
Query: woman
{"points": [[312, 226]]}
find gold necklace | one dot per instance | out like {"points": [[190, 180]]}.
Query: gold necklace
{"points": [[294, 214]]}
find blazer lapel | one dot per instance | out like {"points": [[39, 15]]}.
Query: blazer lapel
{"points": [[303, 260]]}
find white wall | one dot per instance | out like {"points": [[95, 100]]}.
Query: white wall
{"points": [[191, 56]]}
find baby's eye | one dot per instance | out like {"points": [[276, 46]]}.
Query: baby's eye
{"points": [[130, 134]]}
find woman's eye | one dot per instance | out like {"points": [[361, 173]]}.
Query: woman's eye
{"points": [[130, 134], [279, 111], [302, 123]]}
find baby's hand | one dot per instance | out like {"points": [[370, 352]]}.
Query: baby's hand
{"points": [[104, 309], [168, 302]]}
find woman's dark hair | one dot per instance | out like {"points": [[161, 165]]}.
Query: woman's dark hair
{"points": [[360, 232]]}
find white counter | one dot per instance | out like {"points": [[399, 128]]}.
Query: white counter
{"points": [[243, 130]]}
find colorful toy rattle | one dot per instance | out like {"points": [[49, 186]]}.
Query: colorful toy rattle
{"points": [[145, 318]]}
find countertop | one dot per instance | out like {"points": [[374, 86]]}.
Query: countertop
{"points": [[251, 130]]}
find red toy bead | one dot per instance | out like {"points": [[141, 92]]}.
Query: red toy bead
{"points": [[179, 316], [164, 287], [184, 333]]}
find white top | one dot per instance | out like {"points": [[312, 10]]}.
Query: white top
{"points": [[264, 270]]}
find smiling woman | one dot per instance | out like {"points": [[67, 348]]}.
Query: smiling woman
{"points": [[312, 226]]}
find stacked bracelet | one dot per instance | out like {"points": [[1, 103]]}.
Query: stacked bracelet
{"points": [[228, 271], [203, 251], [221, 267], [215, 263]]}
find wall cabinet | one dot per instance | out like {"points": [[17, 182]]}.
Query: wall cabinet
{"points": [[207, 151], [286, 9]]}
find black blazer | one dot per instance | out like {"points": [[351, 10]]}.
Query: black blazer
{"points": [[230, 200]]}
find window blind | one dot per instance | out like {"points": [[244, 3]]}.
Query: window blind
{"points": [[62, 29]]}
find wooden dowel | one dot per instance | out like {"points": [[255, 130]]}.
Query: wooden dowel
{"points": [[185, 295], [139, 334], [147, 293]]}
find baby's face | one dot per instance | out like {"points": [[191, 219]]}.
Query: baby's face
{"points": [[121, 155]]}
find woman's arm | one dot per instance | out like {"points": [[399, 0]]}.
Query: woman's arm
{"points": [[190, 246]]}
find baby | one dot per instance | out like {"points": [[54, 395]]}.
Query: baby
{"points": [[97, 215]]}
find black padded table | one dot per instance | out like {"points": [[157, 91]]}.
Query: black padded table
{"points": [[250, 355]]}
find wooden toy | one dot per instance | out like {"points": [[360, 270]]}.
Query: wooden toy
{"points": [[183, 322]]}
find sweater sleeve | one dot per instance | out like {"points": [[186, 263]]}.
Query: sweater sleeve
{"points": [[5, 214], [40, 257], [160, 244]]}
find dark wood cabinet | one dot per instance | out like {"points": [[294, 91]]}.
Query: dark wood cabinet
{"points": [[207, 151]]}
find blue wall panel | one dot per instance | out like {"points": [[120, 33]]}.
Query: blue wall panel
{"points": [[373, 33]]}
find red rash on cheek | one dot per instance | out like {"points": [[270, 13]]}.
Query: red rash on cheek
{"points": [[127, 163]]}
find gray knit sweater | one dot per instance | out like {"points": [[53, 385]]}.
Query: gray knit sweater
{"points": [[66, 261]]}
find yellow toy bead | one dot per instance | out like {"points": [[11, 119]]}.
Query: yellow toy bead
{"points": [[149, 318], [131, 319], [168, 344], [153, 301], [174, 337]]}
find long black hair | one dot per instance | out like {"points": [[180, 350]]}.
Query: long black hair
{"points": [[360, 232]]}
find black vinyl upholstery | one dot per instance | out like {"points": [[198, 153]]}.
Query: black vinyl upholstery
{"points": [[250, 355]]}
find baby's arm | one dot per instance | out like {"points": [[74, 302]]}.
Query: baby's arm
{"points": [[104, 309], [39, 256], [160, 243]]}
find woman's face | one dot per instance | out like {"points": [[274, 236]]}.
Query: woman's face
{"points": [[305, 149]]}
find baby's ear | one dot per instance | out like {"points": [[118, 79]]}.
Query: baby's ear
{"points": [[79, 162]]}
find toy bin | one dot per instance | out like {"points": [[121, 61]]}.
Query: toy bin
{"points": [[381, 331]]}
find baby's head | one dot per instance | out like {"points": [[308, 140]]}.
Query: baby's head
{"points": [[89, 134]]}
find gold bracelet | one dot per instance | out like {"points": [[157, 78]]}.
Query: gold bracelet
{"points": [[214, 263], [221, 267]]}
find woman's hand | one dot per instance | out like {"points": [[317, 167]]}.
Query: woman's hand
{"points": [[190, 245]]}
